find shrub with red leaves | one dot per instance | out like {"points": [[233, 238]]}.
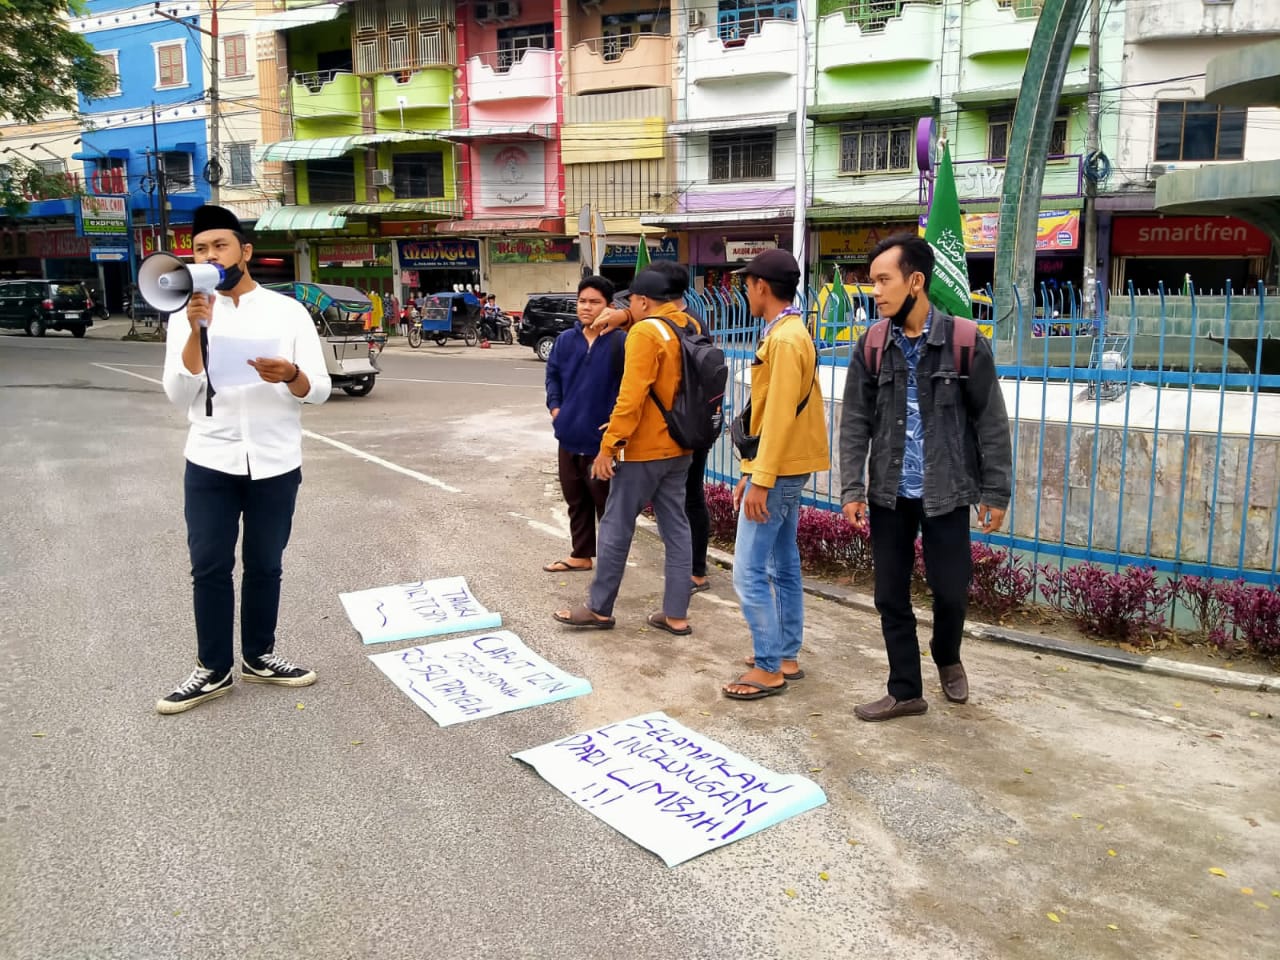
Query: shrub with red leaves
{"points": [[1115, 605], [1001, 581]]}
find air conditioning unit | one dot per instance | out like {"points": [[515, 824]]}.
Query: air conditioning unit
{"points": [[484, 12], [505, 9], [696, 19], [382, 178], [1155, 170]]}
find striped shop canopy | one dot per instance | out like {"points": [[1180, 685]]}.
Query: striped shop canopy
{"points": [[325, 148]]}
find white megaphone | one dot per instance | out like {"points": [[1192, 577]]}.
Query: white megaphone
{"points": [[167, 283]]}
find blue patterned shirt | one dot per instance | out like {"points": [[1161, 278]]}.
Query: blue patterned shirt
{"points": [[911, 485]]}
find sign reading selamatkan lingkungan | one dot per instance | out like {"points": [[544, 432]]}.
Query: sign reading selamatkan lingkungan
{"points": [[669, 788], [424, 608], [468, 678]]}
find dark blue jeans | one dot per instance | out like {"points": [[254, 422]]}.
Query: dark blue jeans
{"points": [[214, 504]]}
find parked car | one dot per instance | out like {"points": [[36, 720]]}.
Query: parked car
{"points": [[545, 317], [39, 305]]}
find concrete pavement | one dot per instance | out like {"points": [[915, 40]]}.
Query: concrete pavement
{"points": [[338, 821]]}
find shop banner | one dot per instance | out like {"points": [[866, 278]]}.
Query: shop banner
{"points": [[1187, 237], [856, 242], [512, 175], [736, 251], [624, 254], [439, 254], [102, 217], [179, 241], [533, 250], [1057, 230], [345, 252]]}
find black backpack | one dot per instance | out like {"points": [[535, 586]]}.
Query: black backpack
{"points": [[696, 417]]}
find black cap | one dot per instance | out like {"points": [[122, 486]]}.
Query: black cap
{"points": [[777, 265], [654, 284], [210, 217]]}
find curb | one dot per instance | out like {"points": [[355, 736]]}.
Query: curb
{"points": [[1162, 666]]}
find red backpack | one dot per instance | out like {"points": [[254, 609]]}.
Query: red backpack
{"points": [[964, 334]]}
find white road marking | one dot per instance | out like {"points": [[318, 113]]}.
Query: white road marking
{"points": [[371, 458], [465, 383], [344, 447], [541, 527], [128, 373], [152, 366]]}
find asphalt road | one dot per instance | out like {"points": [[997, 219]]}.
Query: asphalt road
{"points": [[338, 821]]}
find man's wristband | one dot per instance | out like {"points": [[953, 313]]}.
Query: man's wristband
{"points": [[296, 371]]}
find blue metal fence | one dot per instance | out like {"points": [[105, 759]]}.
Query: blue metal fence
{"points": [[1145, 434]]}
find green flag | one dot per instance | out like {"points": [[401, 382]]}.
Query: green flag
{"points": [[642, 255], [949, 288], [838, 307]]}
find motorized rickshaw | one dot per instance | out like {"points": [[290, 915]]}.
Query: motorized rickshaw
{"points": [[339, 313], [448, 316]]}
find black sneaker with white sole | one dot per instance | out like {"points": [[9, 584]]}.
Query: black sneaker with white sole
{"points": [[278, 670], [202, 685]]}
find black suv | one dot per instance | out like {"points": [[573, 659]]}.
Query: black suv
{"points": [[545, 317], [39, 305]]}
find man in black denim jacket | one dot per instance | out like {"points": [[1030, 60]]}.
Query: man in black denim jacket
{"points": [[938, 439]]}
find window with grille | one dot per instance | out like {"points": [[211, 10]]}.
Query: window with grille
{"points": [[177, 170], [402, 34], [514, 41], [1194, 130], [738, 19], [331, 181], [50, 168], [235, 56], [239, 164], [111, 63], [1000, 122], [742, 156], [1025, 9], [417, 175], [171, 65], [876, 147]]}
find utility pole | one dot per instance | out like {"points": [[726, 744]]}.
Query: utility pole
{"points": [[1090, 279], [214, 167], [162, 183], [801, 201]]}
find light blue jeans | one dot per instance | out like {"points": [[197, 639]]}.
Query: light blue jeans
{"points": [[766, 575]]}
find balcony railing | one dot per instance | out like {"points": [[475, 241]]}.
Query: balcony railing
{"points": [[501, 61], [872, 15], [316, 79], [612, 49]]}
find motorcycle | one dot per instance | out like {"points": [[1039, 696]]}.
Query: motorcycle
{"points": [[497, 327]]}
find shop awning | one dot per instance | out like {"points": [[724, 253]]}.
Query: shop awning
{"points": [[299, 17], [519, 225], [908, 107], [438, 208], [299, 218], [995, 96], [715, 217], [512, 131], [732, 123], [326, 148], [862, 212]]}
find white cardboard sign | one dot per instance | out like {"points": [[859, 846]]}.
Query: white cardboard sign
{"points": [[668, 788], [425, 608], [466, 678]]}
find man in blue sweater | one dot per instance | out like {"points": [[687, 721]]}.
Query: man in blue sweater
{"points": [[584, 373]]}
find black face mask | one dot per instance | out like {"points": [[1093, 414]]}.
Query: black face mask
{"points": [[899, 318], [230, 277]]}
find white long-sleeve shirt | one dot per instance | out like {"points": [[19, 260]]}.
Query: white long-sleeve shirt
{"points": [[254, 430]]}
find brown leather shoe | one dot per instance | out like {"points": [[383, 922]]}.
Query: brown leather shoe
{"points": [[955, 685], [887, 708]]}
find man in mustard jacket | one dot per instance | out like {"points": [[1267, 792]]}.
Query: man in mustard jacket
{"points": [[787, 418], [642, 462]]}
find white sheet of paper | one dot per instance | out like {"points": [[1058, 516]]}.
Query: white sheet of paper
{"points": [[669, 788], [229, 360], [407, 611], [467, 678]]}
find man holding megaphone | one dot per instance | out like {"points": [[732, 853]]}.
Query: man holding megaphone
{"points": [[244, 445]]}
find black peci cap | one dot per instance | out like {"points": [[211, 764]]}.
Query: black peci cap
{"points": [[777, 265], [654, 284], [210, 217]]}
